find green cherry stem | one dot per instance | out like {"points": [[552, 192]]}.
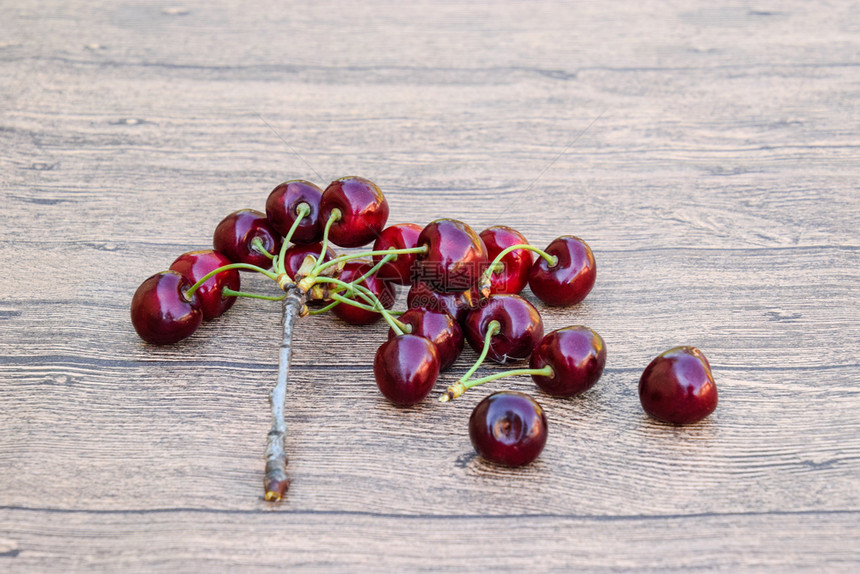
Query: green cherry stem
{"points": [[227, 292], [351, 256], [354, 288], [460, 387], [302, 211], [335, 216], [373, 270], [551, 260], [257, 244], [191, 290]]}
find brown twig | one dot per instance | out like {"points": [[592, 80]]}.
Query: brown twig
{"points": [[276, 482]]}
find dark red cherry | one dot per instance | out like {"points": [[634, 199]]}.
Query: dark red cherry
{"points": [[678, 387], [234, 237], [570, 279], [363, 209], [383, 290], [514, 276], [282, 210], [160, 312], [508, 428], [194, 265], [406, 368], [521, 328], [295, 256], [400, 236], [457, 305], [440, 328], [455, 256], [577, 356]]}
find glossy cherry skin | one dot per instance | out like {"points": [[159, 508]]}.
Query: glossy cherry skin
{"points": [[440, 328], [458, 305], [678, 387], [577, 356], [160, 312], [282, 210], [405, 368], [400, 236], [521, 328], [295, 255], [363, 208], [194, 265], [455, 256], [235, 234], [517, 264], [508, 428], [570, 279], [383, 290]]}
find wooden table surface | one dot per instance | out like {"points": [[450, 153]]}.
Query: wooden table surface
{"points": [[709, 155]]}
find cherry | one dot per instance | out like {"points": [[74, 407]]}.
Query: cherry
{"points": [[235, 235], [363, 209], [383, 290], [295, 256], [508, 428], [576, 355], [194, 265], [678, 387], [457, 305], [282, 210], [514, 276], [455, 256], [160, 312], [400, 236], [521, 327], [440, 328], [570, 279], [405, 368]]}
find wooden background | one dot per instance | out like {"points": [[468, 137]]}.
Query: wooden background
{"points": [[708, 152]]}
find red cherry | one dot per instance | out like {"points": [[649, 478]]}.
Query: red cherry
{"points": [[406, 368], [296, 254], [363, 208], [400, 236], [457, 305], [455, 256], [160, 312], [577, 356], [521, 328], [194, 265], [570, 279], [383, 290], [235, 235], [514, 276], [282, 210], [508, 428], [440, 328], [678, 387]]}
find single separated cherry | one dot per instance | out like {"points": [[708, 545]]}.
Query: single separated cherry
{"points": [[440, 328], [576, 355], [282, 210], [516, 265], [678, 387], [383, 290], [236, 234], [520, 328], [508, 428], [194, 265], [570, 279], [405, 368], [458, 305], [455, 256], [295, 256], [363, 211], [399, 236], [160, 312]]}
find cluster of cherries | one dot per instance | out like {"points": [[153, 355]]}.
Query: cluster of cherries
{"points": [[463, 287]]}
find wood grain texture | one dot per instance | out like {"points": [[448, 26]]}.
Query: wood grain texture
{"points": [[708, 154]]}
